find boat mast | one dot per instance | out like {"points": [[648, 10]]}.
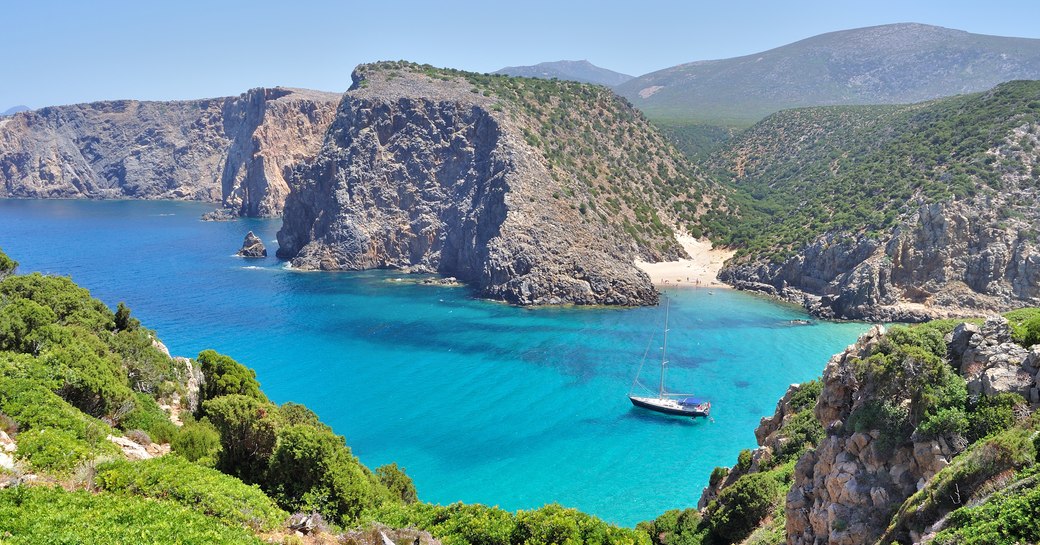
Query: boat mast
{"points": [[664, 350]]}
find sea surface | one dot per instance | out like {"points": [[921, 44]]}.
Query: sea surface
{"points": [[479, 401]]}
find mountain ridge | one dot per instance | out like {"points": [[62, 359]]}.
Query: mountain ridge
{"points": [[885, 64], [582, 71]]}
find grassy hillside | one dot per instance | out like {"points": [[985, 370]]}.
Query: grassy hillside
{"points": [[858, 169], [73, 373]]}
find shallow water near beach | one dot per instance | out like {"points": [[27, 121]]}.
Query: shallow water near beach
{"points": [[479, 401]]}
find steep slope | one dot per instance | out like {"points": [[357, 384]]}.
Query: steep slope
{"points": [[889, 64], [582, 71], [533, 191], [912, 434], [891, 212], [233, 150]]}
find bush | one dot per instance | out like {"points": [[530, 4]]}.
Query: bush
{"points": [[247, 435], [35, 407], [225, 376], [148, 416], [741, 506], [140, 437], [52, 515], [198, 442], [202, 489], [1005, 517], [312, 469], [397, 482], [1025, 326], [7, 265], [945, 422], [743, 461], [992, 414], [52, 449]]}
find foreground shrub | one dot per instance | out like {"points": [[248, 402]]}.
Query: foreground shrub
{"points": [[462, 524], [52, 449], [313, 470], [397, 482], [247, 435], [52, 515], [198, 442], [204, 490], [741, 506], [148, 416]]}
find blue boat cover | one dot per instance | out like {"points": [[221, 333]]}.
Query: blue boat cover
{"points": [[691, 401]]}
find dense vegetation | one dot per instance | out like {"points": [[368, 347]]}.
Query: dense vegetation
{"points": [[883, 162], [613, 166], [73, 373], [914, 394]]}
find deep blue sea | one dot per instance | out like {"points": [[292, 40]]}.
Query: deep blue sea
{"points": [[480, 401]]}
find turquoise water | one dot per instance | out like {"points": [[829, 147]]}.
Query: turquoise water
{"points": [[480, 401]]}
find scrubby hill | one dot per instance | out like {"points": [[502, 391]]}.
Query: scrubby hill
{"points": [[913, 435], [891, 212], [84, 390], [580, 71], [533, 191], [889, 64]]}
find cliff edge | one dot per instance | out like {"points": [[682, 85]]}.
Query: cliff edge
{"points": [[531, 191]]}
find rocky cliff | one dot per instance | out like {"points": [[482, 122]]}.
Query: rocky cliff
{"points": [[233, 150], [496, 181], [894, 213], [906, 433]]}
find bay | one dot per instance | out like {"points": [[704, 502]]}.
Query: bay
{"points": [[479, 401]]}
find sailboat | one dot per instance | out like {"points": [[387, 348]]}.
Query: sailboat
{"points": [[668, 403]]}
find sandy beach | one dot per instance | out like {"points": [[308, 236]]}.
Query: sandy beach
{"points": [[698, 271]]}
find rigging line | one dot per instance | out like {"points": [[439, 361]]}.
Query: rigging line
{"points": [[643, 361]]}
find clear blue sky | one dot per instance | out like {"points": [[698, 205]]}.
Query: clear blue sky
{"points": [[85, 50]]}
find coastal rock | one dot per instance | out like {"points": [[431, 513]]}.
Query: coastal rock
{"points": [[948, 259], [232, 150], [252, 246], [428, 175]]}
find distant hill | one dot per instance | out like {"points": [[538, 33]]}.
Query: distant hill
{"points": [[889, 64], [859, 211], [15, 109], [583, 71]]}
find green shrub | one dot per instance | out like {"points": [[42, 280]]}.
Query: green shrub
{"points": [[1025, 326], [31, 515], [225, 376], [944, 423], [312, 469], [148, 416], [202, 489], [7, 265], [20, 323], [247, 435], [1007, 517], [741, 506], [743, 461], [35, 407], [198, 442], [992, 414], [52, 449], [397, 482]]}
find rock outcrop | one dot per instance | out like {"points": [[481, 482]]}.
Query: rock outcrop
{"points": [[948, 259], [252, 246], [233, 150], [423, 171]]}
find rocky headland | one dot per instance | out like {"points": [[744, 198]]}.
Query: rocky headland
{"points": [[495, 181], [234, 151]]}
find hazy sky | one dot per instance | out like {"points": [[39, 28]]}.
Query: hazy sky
{"points": [[85, 50]]}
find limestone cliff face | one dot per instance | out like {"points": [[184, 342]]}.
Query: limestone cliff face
{"points": [[427, 174], [947, 259], [231, 150]]}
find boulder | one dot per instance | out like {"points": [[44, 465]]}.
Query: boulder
{"points": [[252, 246]]}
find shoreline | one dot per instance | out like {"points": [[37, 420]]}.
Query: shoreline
{"points": [[700, 271]]}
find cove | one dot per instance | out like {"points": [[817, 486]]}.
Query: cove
{"points": [[479, 401]]}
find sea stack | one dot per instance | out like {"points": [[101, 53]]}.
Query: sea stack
{"points": [[252, 246]]}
